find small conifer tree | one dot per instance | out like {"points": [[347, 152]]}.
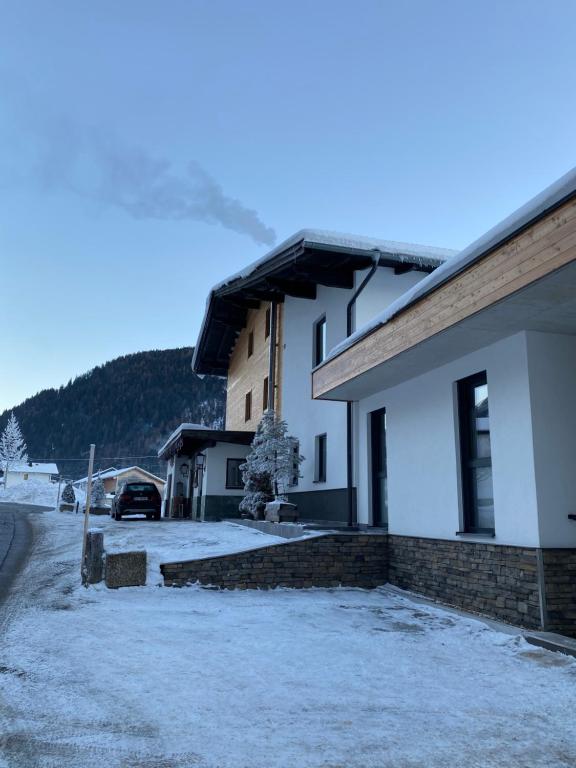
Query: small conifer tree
{"points": [[68, 495], [98, 493]]}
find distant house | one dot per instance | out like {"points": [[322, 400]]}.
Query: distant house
{"points": [[30, 470], [111, 478]]}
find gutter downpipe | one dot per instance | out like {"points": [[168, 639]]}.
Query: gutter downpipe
{"points": [[350, 500], [272, 363]]}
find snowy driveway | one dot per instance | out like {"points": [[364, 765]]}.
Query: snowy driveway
{"points": [[339, 678]]}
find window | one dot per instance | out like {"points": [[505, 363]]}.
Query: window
{"points": [[320, 459], [248, 406], [265, 394], [476, 455], [267, 323], [233, 474], [250, 343], [295, 464], [319, 342]]}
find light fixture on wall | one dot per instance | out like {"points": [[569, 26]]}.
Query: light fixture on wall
{"points": [[200, 461], [184, 470]]}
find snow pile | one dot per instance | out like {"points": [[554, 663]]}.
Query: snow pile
{"points": [[252, 679], [30, 492]]}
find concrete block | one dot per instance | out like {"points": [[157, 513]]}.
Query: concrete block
{"points": [[125, 569]]}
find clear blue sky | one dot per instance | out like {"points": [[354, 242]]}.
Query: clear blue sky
{"points": [[150, 148]]}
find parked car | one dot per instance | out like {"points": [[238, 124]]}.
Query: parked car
{"points": [[136, 498]]}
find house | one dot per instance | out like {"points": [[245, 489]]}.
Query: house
{"points": [[19, 472], [264, 329], [462, 391], [112, 477]]}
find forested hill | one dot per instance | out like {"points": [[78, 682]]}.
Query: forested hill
{"points": [[127, 407]]}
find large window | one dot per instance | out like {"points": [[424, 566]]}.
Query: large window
{"points": [[379, 468], [319, 341], [320, 456], [233, 474], [476, 455]]}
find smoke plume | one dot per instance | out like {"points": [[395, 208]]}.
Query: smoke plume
{"points": [[99, 166]]}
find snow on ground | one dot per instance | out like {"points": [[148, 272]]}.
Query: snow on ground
{"points": [[33, 492], [322, 678], [168, 541]]}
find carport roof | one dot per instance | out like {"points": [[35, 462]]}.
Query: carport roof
{"points": [[190, 439]]}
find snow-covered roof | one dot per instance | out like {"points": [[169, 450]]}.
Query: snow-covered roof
{"points": [[322, 238], [309, 258], [553, 196], [113, 472], [33, 467], [179, 429]]}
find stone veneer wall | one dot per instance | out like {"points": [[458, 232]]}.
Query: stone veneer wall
{"points": [[497, 581], [560, 580], [494, 580], [331, 560]]}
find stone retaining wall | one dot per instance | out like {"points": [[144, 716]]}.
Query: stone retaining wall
{"points": [[497, 581], [560, 580], [350, 559]]}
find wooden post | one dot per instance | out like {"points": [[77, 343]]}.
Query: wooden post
{"points": [[87, 514]]}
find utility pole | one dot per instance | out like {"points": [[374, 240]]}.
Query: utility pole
{"points": [[87, 513]]}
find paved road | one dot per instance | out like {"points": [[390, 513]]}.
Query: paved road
{"points": [[15, 541]]}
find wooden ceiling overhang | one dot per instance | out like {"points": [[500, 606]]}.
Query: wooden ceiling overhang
{"points": [[189, 442], [297, 272]]}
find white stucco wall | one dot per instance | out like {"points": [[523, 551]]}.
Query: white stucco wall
{"points": [[306, 417], [214, 482], [552, 367], [19, 477], [423, 451]]}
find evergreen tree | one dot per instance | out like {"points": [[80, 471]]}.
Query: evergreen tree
{"points": [[68, 495], [271, 466], [12, 446], [98, 493]]}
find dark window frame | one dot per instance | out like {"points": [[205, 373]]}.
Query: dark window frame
{"points": [[296, 464], [321, 458], [267, 322], [250, 343], [229, 485], [468, 461], [265, 393], [248, 406], [319, 350]]}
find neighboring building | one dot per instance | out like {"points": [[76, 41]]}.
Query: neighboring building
{"points": [[465, 425], [203, 478], [112, 478], [20, 472], [266, 327]]}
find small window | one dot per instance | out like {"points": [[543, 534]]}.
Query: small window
{"points": [[319, 341], [320, 459], [233, 473], [250, 343], [248, 406], [476, 455], [295, 463], [25, 475], [267, 323], [265, 394]]}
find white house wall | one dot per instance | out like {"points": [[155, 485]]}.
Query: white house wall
{"points": [[307, 417], [423, 453], [214, 481], [552, 366]]}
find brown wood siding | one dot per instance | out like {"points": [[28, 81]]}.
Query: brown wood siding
{"points": [[247, 374], [543, 248]]}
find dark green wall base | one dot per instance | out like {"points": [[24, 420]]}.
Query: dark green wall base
{"points": [[221, 507], [330, 505]]}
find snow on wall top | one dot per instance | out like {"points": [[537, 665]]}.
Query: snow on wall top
{"points": [[178, 430], [425, 254], [33, 468], [553, 195], [113, 472]]}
